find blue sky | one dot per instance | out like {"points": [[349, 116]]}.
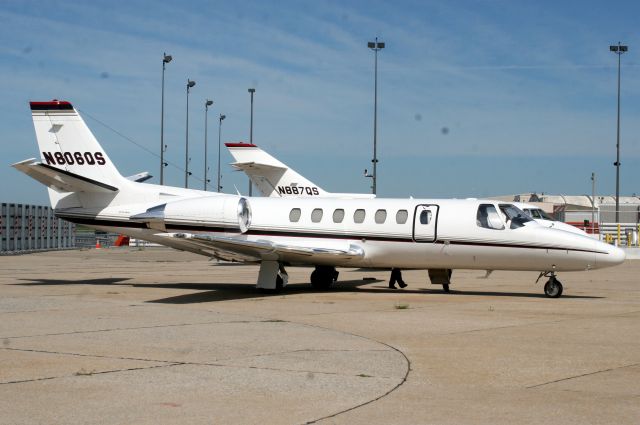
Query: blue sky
{"points": [[476, 98]]}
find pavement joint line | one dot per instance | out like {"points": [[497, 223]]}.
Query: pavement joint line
{"points": [[177, 363], [545, 322], [582, 375], [89, 374], [100, 356], [31, 311], [137, 328], [333, 415], [349, 409], [303, 350]]}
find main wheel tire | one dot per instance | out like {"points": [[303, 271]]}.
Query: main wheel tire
{"points": [[279, 283], [445, 287], [553, 288], [321, 278]]}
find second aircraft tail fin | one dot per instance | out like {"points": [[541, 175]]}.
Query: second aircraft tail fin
{"points": [[272, 177]]}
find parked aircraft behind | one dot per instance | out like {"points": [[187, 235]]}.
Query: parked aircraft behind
{"points": [[275, 179], [539, 215], [433, 234]]}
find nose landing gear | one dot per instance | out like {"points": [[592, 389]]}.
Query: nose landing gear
{"points": [[553, 287]]}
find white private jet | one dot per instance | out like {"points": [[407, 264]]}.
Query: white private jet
{"points": [[433, 234], [276, 179]]}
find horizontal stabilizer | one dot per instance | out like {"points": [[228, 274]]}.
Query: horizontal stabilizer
{"points": [[61, 180], [140, 177], [255, 166]]}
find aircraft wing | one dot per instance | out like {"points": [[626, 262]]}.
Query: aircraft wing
{"points": [[247, 250]]}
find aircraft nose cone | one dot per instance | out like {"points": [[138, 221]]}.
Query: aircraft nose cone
{"points": [[613, 256]]}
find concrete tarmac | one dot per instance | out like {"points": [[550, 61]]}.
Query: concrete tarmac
{"points": [[156, 336]]}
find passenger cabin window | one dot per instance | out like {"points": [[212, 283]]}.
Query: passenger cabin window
{"points": [[425, 217], [381, 216], [316, 215], [401, 216], [514, 216], [338, 215], [488, 217], [294, 215], [358, 216]]}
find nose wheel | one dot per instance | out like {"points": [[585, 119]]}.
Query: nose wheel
{"points": [[553, 287]]}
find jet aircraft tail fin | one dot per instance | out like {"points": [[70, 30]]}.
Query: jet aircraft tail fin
{"points": [[272, 177], [66, 142], [72, 160], [275, 179]]}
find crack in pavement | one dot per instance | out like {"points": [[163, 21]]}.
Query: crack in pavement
{"points": [[582, 375]]}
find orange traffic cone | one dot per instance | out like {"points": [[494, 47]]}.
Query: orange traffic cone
{"points": [[98, 244]]}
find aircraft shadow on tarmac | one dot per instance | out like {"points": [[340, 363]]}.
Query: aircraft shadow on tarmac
{"points": [[101, 281], [212, 292]]}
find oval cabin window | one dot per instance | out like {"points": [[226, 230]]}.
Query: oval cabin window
{"points": [[316, 215], [294, 215], [401, 216], [381, 216]]}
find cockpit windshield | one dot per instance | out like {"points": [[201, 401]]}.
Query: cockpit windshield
{"points": [[514, 216]]}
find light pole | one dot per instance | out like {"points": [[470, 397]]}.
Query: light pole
{"points": [[251, 91], [165, 60], [219, 139], [619, 50], [593, 201], [207, 103], [375, 46], [186, 157]]}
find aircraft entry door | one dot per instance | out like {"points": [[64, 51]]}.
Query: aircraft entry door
{"points": [[425, 223]]}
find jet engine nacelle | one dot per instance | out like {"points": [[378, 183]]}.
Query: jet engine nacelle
{"points": [[231, 213]]}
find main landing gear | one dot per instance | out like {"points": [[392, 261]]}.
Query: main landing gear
{"points": [[553, 287], [323, 277], [272, 276], [441, 277]]}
